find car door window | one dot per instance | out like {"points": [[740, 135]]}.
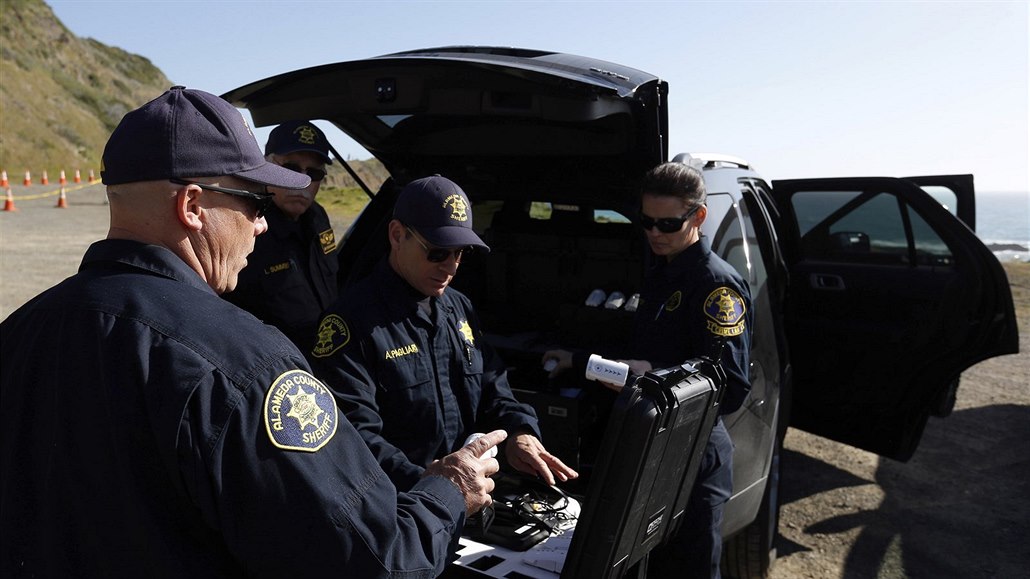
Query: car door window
{"points": [[723, 228], [946, 197], [865, 227], [930, 248]]}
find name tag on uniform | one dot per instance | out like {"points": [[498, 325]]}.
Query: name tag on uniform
{"points": [[277, 268]]}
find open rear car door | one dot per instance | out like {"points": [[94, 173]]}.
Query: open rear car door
{"points": [[891, 297]]}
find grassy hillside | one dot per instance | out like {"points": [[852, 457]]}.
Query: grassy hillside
{"points": [[61, 96]]}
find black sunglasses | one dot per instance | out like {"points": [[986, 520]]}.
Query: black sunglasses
{"points": [[260, 201], [667, 224], [440, 254], [315, 174]]}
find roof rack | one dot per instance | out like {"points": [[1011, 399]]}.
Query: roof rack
{"points": [[711, 160]]}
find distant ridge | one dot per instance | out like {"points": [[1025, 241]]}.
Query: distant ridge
{"points": [[61, 96]]}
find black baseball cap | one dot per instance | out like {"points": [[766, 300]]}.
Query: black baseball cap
{"points": [[189, 133], [439, 210], [296, 136]]}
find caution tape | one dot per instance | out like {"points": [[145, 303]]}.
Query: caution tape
{"points": [[51, 193]]}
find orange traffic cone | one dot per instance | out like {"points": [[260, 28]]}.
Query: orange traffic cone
{"points": [[62, 201], [63, 181], [78, 177], [28, 179], [92, 179], [3, 180], [45, 180], [9, 204]]}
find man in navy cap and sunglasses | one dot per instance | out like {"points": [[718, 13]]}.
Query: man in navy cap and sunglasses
{"points": [[290, 278], [152, 428], [405, 352]]}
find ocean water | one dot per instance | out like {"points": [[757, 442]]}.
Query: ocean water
{"points": [[1004, 219]]}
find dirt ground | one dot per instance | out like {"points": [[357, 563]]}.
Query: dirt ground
{"points": [[960, 508]]}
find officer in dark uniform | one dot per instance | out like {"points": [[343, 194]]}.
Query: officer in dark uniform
{"points": [[405, 352], [290, 278], [693, 304], [151, 428]]}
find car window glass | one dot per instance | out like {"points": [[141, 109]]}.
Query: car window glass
{"points": [[543, 211], [930, 248], [540, 210], [723, 228], [754, 252], [609, 216], [851, 226], [943, 195]]}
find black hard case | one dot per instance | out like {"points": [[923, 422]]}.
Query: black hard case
{"points": [[646, 469]]}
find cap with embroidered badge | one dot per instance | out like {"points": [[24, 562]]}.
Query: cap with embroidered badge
{"points": [[439, 211], [188, 133], [294, 136]]}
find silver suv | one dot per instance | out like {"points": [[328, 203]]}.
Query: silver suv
{"points": [[870, 295]]}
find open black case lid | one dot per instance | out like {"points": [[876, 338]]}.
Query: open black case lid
{"points": [[646, 469]]}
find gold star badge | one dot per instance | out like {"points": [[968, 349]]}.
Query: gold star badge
{"points": [[466, 331]]}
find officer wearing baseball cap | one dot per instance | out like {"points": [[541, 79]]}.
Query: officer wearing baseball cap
{"points": [[153, 428], [290, 278], [405, 352]]}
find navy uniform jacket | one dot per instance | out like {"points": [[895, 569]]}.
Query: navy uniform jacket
{"points": [[415, 386], [686, 307], [290, 278], [153, 429]]}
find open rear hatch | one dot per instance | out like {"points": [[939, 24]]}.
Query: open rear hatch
{"points": [[497, 118], [548, 146]]}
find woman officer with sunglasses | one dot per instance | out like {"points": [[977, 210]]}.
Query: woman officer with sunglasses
{"points": [[291, 275], [692, 304]]}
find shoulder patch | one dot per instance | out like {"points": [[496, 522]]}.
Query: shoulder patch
{"points": [[328, 241], [724, 309], [333, 334], [300, 412]]}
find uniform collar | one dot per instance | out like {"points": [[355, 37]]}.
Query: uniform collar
{"points": [[152, 259], [280, 226], [687, 259], [399, 296]]}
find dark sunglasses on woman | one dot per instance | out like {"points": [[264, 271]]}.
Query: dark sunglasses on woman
{"points": [[667, 224]]}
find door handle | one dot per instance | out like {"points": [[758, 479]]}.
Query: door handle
{"points": [[826, 281]]}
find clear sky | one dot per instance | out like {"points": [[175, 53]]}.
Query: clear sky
{"points": [[799, 89]]}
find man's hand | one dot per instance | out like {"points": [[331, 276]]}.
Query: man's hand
{"points": [[469, 472], [560, 360], [526, 454]]}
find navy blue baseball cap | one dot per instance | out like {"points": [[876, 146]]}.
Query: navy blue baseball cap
{"points": [[439, 210], [298, 136], [189, 133]]}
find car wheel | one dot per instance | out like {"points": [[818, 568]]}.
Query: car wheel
{"points": [[750, 553]]}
